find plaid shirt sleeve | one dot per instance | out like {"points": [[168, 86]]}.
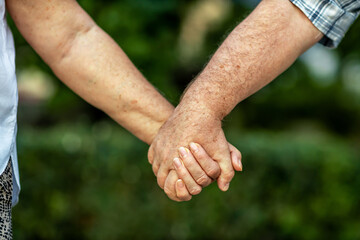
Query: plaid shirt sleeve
{"points": [[332, 17]]}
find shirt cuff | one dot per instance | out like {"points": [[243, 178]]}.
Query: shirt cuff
{"points": [[330, 18]]}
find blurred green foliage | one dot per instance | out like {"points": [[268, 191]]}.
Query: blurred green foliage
{"points": [[85, 181], [83, 177]]}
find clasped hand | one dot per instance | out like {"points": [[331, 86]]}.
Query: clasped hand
{"points": [[189, 152]]}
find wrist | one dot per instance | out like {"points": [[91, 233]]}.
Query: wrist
{"points": [[195, 109], [200, 103], [143, 122]]}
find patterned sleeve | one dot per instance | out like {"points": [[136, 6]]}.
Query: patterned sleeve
{"points": [[332, 17]]}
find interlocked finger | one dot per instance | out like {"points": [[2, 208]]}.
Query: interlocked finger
{"points": [[210, 166], [193, 167], [183, 173]]}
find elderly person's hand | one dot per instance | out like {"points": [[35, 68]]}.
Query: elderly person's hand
{"points": [[185, 126], [195, 164]]}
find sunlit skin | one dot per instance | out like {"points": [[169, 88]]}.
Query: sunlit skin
{"points": [[90, 63], [260, 48]]}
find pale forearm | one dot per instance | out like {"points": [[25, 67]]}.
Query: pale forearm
{"points": [[99, 71], [88, 61], [263, 46]]}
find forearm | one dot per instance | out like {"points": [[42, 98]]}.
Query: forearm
{"points": [[100, 72], [264, 45], [88, 61]]}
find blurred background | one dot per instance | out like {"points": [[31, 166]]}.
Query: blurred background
{"points": [[85, 177]]}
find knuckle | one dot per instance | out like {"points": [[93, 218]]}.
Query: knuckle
{"points": [[174, 198], [214, 172], [168, 192], [195, 190], [229, 175], [203, 180], [200, 155], [185, 198], [155, 169], [161, 182]]}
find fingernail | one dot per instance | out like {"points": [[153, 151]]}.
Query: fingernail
{"points": [[177, 163], [183, 151], [237, 161], [226, 186], [180, 183], [240, 164], [194, 147]]}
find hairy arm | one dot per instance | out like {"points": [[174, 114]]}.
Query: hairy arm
{"points": [[264, 45], [89, 62]]}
